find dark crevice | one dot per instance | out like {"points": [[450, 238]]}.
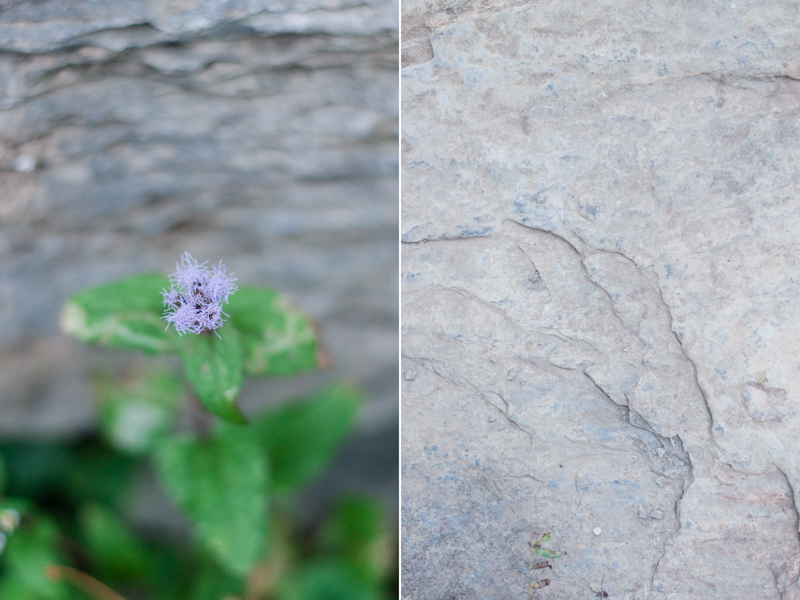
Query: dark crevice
{"points": [[691, 362]]}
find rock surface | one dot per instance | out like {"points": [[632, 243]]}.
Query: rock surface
{"points": [[260, 132], [601, 294]]}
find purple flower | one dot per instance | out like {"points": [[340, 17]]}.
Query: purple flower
{"points": [[220, 284], [194, 300]]}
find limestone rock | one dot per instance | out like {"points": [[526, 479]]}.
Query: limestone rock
{"points": [[602, 198]]}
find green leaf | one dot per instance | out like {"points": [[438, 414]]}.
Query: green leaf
{"points": [[101, 475], [213, 583], [21, 505], [214, 368], [28, 553], [545, 553], [139, 410], [221, 484], [116, 553], [325, 580], [169, 570], [123, 314], [545, 538], [36, 469], [301, 438], [356, 532], [277, 339]]}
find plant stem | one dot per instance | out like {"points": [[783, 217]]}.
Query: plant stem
{"points": [[82, 581]]}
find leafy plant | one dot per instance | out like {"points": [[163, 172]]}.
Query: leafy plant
{"points": [[65, 535], [537, 554]]}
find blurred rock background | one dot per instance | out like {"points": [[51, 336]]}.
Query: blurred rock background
{"points": [[258, 132]]}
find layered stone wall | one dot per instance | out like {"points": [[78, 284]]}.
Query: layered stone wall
{"points": [[601, 290]]}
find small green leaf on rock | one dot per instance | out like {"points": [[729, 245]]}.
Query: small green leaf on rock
{"points": [[545, 553], [221, 484], [214, 368], [301, 438], [277, 339], [122, 314]]}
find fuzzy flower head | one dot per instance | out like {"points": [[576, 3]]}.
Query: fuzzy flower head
{"points": [[194, 299]]}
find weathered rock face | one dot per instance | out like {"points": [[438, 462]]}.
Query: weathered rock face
{"points": [[260, 133], [601, 298]]}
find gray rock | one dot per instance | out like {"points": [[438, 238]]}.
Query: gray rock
{"points": [[601, 197]]}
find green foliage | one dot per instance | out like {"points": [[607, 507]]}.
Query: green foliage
{"points": [[209, 478], [99, 475], [214, 368], [36, 469], [326, 580], [221, 483], [300, 438], [266, 335], [123, 314], [135, 413], [277, 338], [535, 544], [64, 474], [117, 553], [214, 583], [545, 553], [170, 571], [356, 532], [28, 553], [222, 475]]}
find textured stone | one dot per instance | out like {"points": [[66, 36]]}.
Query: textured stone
{"points": [[258, 132], [602, 197]]}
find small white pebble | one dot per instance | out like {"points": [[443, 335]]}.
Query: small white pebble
{"points": [[661, 481], [511, 374], [657, 514], [661, 451], [597, 531], [24, 163], [642, 513], [409, 375], [625, 349], [493, 359]]}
